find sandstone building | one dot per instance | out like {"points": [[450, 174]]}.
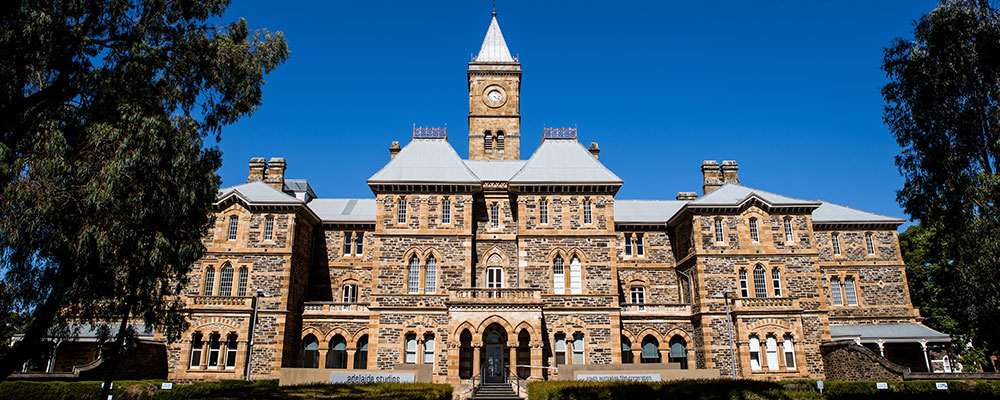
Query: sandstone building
{"points": [[472, 265]]}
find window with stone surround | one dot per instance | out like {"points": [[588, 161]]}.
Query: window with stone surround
{"points": [[754, 353], [744, 285], [429, 348], [754, 237], [719, 234], [196, 346], [575, 276], [627, 356], [870, 243], [560, 348], [789, 347], [628, 244], [413, 276], [543, 212], [639, 248], [838, 299], [588, 216], [499, 140], [759, 282], [209, 281], [776, 281], [650, 350], [558, 276], [232, 345], [789, 236], [430, 275], [487, 141], [637, 295], [234, 224], [578, 346], [359, 246], [494, 277], [310, 352], [241, 289], [835, 239], [850, 293], [494, 215], [214, 345], [361, 355], [336, 356], [411, 348], [350, 293], [401, 211], [445, 211], [226, 282], [348, 245], [772, 353], [269, 228]]}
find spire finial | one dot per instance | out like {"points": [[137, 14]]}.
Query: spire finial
{"points": [[494, 8]]}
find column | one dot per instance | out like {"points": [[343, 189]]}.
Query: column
{"points": [[927, 361], [536, 361], [881, 347], [350, 358], [477, 353], [512, 353], [636, 356]]}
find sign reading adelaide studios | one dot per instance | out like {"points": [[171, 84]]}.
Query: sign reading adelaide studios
{"points": [[372, 377]]}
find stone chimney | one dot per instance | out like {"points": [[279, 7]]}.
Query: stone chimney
{"points": [[594, 150], [730, 172], [276, 173], [393, 150], [687, 196], [257, 168], [712, 176]]}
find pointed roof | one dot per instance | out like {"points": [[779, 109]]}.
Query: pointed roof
{"points": [[494, 48], [257, 192], [731, 194], [562, 161], [425, 160]]}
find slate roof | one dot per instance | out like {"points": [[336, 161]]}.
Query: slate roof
{"points": [[834, 213], [646, 211], [733, 194], [898, 333], [495, 170], [257, 192], [564, 161], [494, 48], [344, 210], [425, 160]]}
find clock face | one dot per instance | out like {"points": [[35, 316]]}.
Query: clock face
{"points": [[494, 96]]}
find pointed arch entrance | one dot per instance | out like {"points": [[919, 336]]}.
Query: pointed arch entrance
{"points": [[495, 354]]}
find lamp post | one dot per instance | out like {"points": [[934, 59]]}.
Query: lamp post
{"points": [[253, 328], [729, 325]]}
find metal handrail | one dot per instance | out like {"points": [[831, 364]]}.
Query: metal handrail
{"points": [[512, 372]]}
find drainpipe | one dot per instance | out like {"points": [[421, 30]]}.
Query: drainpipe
{"points": [[253, 326]]}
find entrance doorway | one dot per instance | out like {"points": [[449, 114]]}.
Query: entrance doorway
{"points": [[494, 361]]}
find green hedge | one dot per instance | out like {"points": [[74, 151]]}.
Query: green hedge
{"points": [[229, 389]]}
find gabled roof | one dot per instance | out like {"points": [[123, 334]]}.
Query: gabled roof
{"points": [[344, 210], [495, 170], [425, 160], [830, 213], [494, 48], [257, 192], [564, 161], [732, 194], [646, 211]]}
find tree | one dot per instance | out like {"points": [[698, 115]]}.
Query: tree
{"points": [[943, 106], [105, 175]]}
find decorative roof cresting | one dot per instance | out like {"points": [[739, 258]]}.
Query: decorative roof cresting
{"points": [[494, 48]]}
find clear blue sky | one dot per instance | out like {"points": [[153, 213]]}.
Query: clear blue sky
{"points": [[789, 89]]}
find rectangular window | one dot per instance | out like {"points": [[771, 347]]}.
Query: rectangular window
{"points": [[196, 346], [849, 292], [835, 238], [789, 237], [744, 285], [494, 215], [776, 282], [588, 217], [446, 211], [494, 277], [269, 228], [233, 225], [231, 347], [719, 237], [209, 281], [213, 351], [401, 212], [753, 230], [772, 353], [543, 212], [413, 276], [429, 349], [639, 251], [560, 349], [347, 243], [578, 347], [411, 349], [838, 299], [789, 348], [359, 243], [754, 353], [628, 244], [638, 295], [350, 294], [870, 243]]}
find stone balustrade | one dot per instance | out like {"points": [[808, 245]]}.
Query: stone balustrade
{"points": [[657, 308], [326, 307], [226, 301], [493, 295], [748, 303]]}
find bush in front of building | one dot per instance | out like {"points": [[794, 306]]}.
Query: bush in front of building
{"points": [[81, 390], [912, 390]]}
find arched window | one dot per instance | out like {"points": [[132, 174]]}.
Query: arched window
{"points": [[838, 299], [361, 355], [500, 140], [310, 352], [650, 350], [578, 346], [776, 281], [870, 243], [487, 141], [429, 348], [627, 351], [411, 348], [494, 215], [543, 212], [241, 290], [850, 293], [575, 276], [759, 282], [494, 277], [789, 236], [350, 294], [445, 211], [233, 226], [560, 348], [754, 237], [835, 238], [209, 281], [558, 276], [744, 285], [401, 211], [588, 215], [678, 351], [214, 346], [226, 283], [232, 345], [430, 275], [789, 348], [772, 353], [413, 276], [336, 357], [196, 346], [754, 353], [719, 237]]}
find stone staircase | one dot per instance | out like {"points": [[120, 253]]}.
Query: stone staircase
{"points": [[495, 391]]}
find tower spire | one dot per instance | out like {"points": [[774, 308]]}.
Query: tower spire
{"points": [[494, 47]]}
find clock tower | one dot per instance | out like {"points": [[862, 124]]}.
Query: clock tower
{"points": [[494, 100]]}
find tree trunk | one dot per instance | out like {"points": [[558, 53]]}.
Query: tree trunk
{"points": [[109, 373], [41, 321]]}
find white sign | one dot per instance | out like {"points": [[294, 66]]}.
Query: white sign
{"points": [[819, 385], [881, 385], [372, 377], [619, 377], [942, 385], [166, 385]]}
